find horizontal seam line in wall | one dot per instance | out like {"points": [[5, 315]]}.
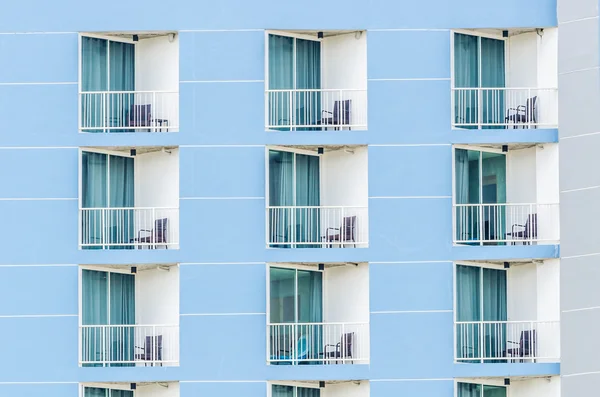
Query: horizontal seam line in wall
{"points": [[221, 30], [38, 199], [38, 315], [410, 144], [582, 309], [221, 198], [209, 146], [408, 30], [221, 263], [410, 311], [580, 189], [38, 265], [38, 383], [415, 79], [579, 70], [36, 147], [221, 314], [17, 33], [411, 380], [581, 374], [407, 262], [223, 381], [222, 81], [578, 20], [580, 256], [410, 197], [579, 136], [41, 83]]}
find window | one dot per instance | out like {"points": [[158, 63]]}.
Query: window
{"points": [[293, 391], [475, 390]]}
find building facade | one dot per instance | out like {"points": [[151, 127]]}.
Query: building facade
{"points": [[270, 200]]}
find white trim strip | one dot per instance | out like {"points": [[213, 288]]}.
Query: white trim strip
{"points": [[221, 263], [579, 70], [220, 81], [411, 311], [410, 197], [38, 315], [221, 198], [415, 79], [578, 136], [410, 144], [581, 310], [220, 314], [413, 380], [580, 189], [580, 256], [38, 199], [581, 374], [40, 83], [577, 20]]}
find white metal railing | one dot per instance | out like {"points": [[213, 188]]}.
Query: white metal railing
{"points": [[129, 111], [317, 227], [316, 109], [106, 345], [507, 341], [506, 223], [504, 108], [318, 343], [150, 227]]}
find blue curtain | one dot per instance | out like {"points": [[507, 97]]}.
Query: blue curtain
{"points": [[122, 312], [281, 77], [466, 180], [468, 308], [281, 193], [307, 194], [494, 391], [94, 311], [282, 391], [468, 390], [308, 76], [122, 188], [492, 76], [493, 170], [466, 75], [121, 393], [307, 392], [309, 304], [94, 77], [95, 392], [93, 195], [122, 78], [494, 309]]}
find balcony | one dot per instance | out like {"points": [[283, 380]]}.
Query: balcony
{"points": [[124, 322], [505, 79], [548, 386], [506, 195], [355, 388], [129, 198], [316, 81], [317, 197], [305, 326], [129, 82], [507, 313], [122, 389]]}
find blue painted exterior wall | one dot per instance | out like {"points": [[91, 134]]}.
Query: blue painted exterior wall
{"points": [[410, 156]]}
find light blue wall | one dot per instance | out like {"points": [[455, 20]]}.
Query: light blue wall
{"points": [[222, 189]]}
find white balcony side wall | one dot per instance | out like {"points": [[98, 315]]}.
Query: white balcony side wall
{"points": [[344, 178], [547, 173], [548, 290], [157, 179], [522, 293], [347, 294], [521, 176], [157, 64], [344, 62], [346, 389], [157, 296], [539, 387], [156, 390], [547, 65], [522, 61]]}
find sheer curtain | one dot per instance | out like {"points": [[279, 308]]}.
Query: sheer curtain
{"points": [[94, 77], [494, 309], [94, 311], [282, 391], [281, 77], [494, 391], [122, 78], [492, 76], [93, 195], [281, 194], [95, 392], [468, 308], [122, 312], [307, 392], [468, 390], [466, 75], [308, 194], [122, 190], [308, 76]]}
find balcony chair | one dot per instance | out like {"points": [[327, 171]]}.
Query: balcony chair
{"points": [[523, 114], [339, 117], [152, 350], [297, 353], [140, 116], [155, 236], [529, 232], [527, 346], [342, 349], [346, 233]]}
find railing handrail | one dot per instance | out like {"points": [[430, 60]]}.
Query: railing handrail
{"points": [[504, 88], [316, 90], [321, 323], [501, 204], [128, 208], [130, 92], [315, 206], [127, 325], [508, 322]]}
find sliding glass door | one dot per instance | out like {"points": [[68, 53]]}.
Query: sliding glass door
{"points": [[294, 68], [107, 66], [480, 296], [101, 392], [479, 66], [296, 297], [294, 391], [107, 181], [475, 390], [294, 180], [108, 299], [480, 184]]}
